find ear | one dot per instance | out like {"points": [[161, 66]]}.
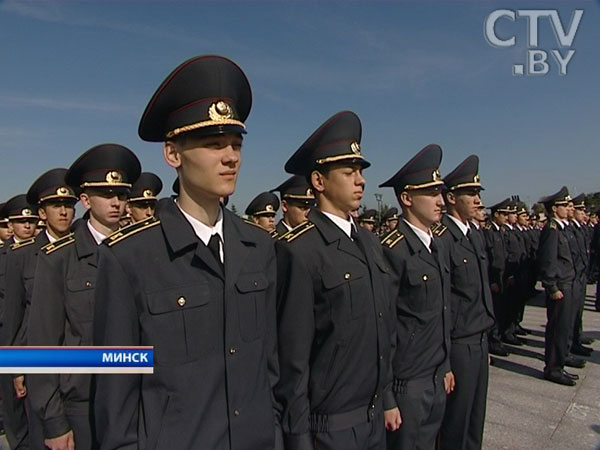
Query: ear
{"points": [[405, 199], [42, 214], [128, 208], [451, 198], [284, 206], [172, 154], [85, 200], [317, 179]]}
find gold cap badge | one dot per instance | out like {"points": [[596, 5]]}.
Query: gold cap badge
{"points": [[113, 177], [269, 208], [220, 111], [62, 191], [147, 193], [355, 147]]}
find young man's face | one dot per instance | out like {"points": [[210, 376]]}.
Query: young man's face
{"points": [[500, 218], [106, 207], [141, 210], [523, 219], [23, 228], [570, 210], [266, 221], [369, 226], [561, 211], [579, 215], [343, 187], [392, 224], [466, 202], [208, 166], [58, 216], [480, 215], [512, 218], [425, 204], [5, 232], [294, 213]]}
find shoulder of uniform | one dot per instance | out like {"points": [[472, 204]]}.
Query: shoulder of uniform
{"points": [[249, 222], [392, 239], [297, 231], [273, 233], [58, 244], [553, 225], [21, 244], [130, 230], [385, 236], [439, 229], [488, 226]]}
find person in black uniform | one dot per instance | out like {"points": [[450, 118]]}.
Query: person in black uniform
{"points": [[579, 253], [389, 220], [421, 367], [143, 196], [525, 267], [557, 272], [5, 231], [496, 253], [472, 311], [196, 283], [22, 218], [367, 220], [334, 316], [261, 211], [296, 200], [62, 302], [514, 251], [56, 203]]}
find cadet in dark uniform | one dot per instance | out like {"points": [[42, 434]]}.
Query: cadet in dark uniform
{"points": [[5, 232], [367, 220], [525, 267], [472, 311], [62, 303], [557, 273], [56, 203], [389, 220], [196, 283], [496, 253], [335, 319], [421, 367], [22, 218], [296, 200], [143, 197], [261, 211], [515, 252], [579, 255]]}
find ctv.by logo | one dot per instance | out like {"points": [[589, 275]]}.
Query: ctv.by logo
{"points": [[537, 62]]}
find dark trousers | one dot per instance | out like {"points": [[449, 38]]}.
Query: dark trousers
{"points": [[511, 304], [364, 436], [558, 328], [500, 314], [421, 402], [14, 414], [36, 428], [82, 431], [462, 427], [579, 286]]}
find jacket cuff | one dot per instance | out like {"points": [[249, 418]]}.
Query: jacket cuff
{"points": [[55, 427], [302, 441], [389, 401]]}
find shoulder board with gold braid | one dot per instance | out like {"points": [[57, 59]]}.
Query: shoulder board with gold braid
{"points": [[21, 244], [439, 230], [297, 231], [385, 236], [488, 226], [274, 234], [130, 230], [553, 224], [59, 243], [392, 239], [249, 222]]}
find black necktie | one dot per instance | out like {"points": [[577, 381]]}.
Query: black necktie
{"points": [[213, 246], [433, 247]]}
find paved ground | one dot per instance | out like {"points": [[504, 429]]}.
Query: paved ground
{"points": [[527, 412]]}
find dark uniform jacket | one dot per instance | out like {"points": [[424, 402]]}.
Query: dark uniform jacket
{"points": [[422, 304], [554, 257], [280, 228], [577, 247], [515, 250], [20, 273], [579, 234], [335, 325], [3, 249], [213, 332], [471, 298], [494, 240], [61, 313]]}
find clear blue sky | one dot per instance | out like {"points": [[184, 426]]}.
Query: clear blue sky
{"points": [[76, 74]]}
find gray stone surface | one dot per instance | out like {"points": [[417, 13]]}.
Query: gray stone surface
{"points": [[526, 412]]}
